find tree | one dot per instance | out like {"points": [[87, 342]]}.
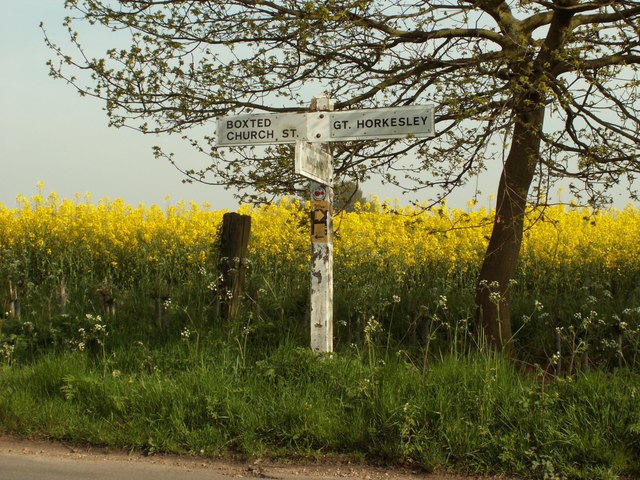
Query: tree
{"points": [[544, 89], [346, 195]]}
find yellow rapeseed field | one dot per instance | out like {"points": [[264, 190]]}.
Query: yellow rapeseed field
{"points": [[80, 234], [411, 270]]}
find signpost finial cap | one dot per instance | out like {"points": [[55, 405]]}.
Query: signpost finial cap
{"points": [[321, 103]]}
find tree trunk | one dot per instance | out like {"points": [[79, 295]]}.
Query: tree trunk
{"points": [[500, 261]]}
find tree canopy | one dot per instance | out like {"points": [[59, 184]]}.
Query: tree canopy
{"points": [[191, 61], [540, 89]]}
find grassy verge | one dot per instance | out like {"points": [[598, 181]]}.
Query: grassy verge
{"points": [[473, 414]]}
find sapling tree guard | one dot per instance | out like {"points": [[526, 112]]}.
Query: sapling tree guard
{"points": [[533, 90]]}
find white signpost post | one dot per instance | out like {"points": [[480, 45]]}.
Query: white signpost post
{"points": [[319, 168], [312, 132]]}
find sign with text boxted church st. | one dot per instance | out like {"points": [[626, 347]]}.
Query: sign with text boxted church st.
{"points": [[261, 129], [379, 123]]}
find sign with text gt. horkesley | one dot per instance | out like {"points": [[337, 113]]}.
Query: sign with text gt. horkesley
{"points": [[379, 123]]}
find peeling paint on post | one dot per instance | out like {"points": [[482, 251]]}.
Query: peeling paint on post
{"points": [[321, 270], [321, 254]]}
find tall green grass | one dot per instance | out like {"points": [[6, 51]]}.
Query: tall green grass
{"points": [[410, 382], [473, 414]]}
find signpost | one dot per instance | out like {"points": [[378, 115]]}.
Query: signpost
{"points": [[312, 132]]}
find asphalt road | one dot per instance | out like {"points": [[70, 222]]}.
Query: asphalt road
{"points": [[22, 459], [31, 467]]}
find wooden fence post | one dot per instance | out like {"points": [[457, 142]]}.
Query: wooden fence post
{"points": [[62, 298], [14, 301], [234, 241], [107, 297], [162, 303]]}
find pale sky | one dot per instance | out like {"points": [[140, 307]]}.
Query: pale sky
{"points": [[49, 134]]}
